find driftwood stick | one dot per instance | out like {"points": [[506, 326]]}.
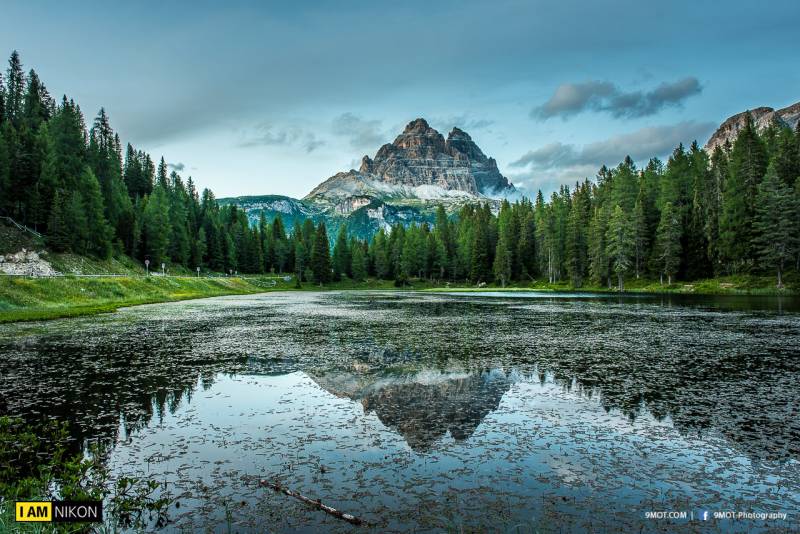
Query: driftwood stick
{"points": [[315, 503]]}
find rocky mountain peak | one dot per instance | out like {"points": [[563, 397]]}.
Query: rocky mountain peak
{"points": [[420, 162], [417, 126], [762, 118]]}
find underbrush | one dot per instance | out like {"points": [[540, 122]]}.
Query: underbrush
{"points": [[36, 464]]}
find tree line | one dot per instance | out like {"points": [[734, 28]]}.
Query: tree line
{"points": [[697, 216], [76, 186]]}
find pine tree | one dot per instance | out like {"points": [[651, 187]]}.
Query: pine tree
{"points": [[625, 185], [179, 245], [300, 259], [37, 105], [717, 176], [380, 255], [5, 172], [48, 181], [668, 242], [526, 247], [162, 178], [502, 260], [577, 246], [641, 239], [156, 227], [776, 223], [280, 246], [748, 163], [480, 257], [200, 248], [2, 100], [59, 234], [341, 255], [100, 233], [15, 90], [443, 233], [69, 139], [620, 244], [787, 156], [320, 256], [359, 264], [598, 255]]}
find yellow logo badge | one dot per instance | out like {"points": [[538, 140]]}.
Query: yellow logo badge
{"points": [[34, 511]]}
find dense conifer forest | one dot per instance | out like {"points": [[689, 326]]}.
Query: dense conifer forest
{"points": [[697, 216]]}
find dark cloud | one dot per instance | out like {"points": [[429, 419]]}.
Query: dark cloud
{"points": [[360, 133], [267, 134], [572, 98], [178, 167], [641, 145]]}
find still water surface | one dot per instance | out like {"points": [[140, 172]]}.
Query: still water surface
{"points": [[427, 412]]}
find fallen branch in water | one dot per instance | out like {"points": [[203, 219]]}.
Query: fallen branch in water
{"points": [[315, 503]]}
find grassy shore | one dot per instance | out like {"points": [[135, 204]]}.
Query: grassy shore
{"points": [[29, 299], [728, 285]]}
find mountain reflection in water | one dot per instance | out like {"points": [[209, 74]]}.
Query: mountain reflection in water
{"points": [[422, 406]]}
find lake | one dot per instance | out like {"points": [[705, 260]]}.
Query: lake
{"points": [[424, 412]]}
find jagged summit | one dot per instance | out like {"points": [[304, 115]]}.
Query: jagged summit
{"points": [[762, 117], [419, 163]]}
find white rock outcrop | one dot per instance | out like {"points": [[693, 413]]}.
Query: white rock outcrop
{"points": [[26, 263]]}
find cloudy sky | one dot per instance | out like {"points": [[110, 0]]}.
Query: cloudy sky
{"points": [[261, 97]]}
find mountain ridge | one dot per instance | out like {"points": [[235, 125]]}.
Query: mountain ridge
{"points": [[762, 118]]}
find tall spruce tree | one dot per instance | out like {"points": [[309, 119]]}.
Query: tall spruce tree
{"points": [[320, 256], [100, 233], [776, 228], [156, 227], [341, 255], [502, 260], [15, 90], [668, 242], [359, 263], [621, 244], [748, 163], [577, 244]]}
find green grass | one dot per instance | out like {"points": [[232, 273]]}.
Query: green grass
{"points": [[727, 285], [29, 299]]}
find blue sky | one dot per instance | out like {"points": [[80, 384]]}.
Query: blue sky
{"points": [[272, 98]]}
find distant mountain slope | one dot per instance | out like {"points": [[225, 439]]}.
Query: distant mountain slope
{"points": [[362, 221], [290, 209], [762, 117]]}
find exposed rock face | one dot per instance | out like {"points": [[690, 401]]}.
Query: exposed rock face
{"points": [[762, 117], [27, 263], [420, 162]]}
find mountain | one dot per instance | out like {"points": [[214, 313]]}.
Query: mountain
{"points": [[403, 183], [420, 164], [762, 117]]}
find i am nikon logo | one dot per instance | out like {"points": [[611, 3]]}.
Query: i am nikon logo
{"points": [[60, 511]]}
